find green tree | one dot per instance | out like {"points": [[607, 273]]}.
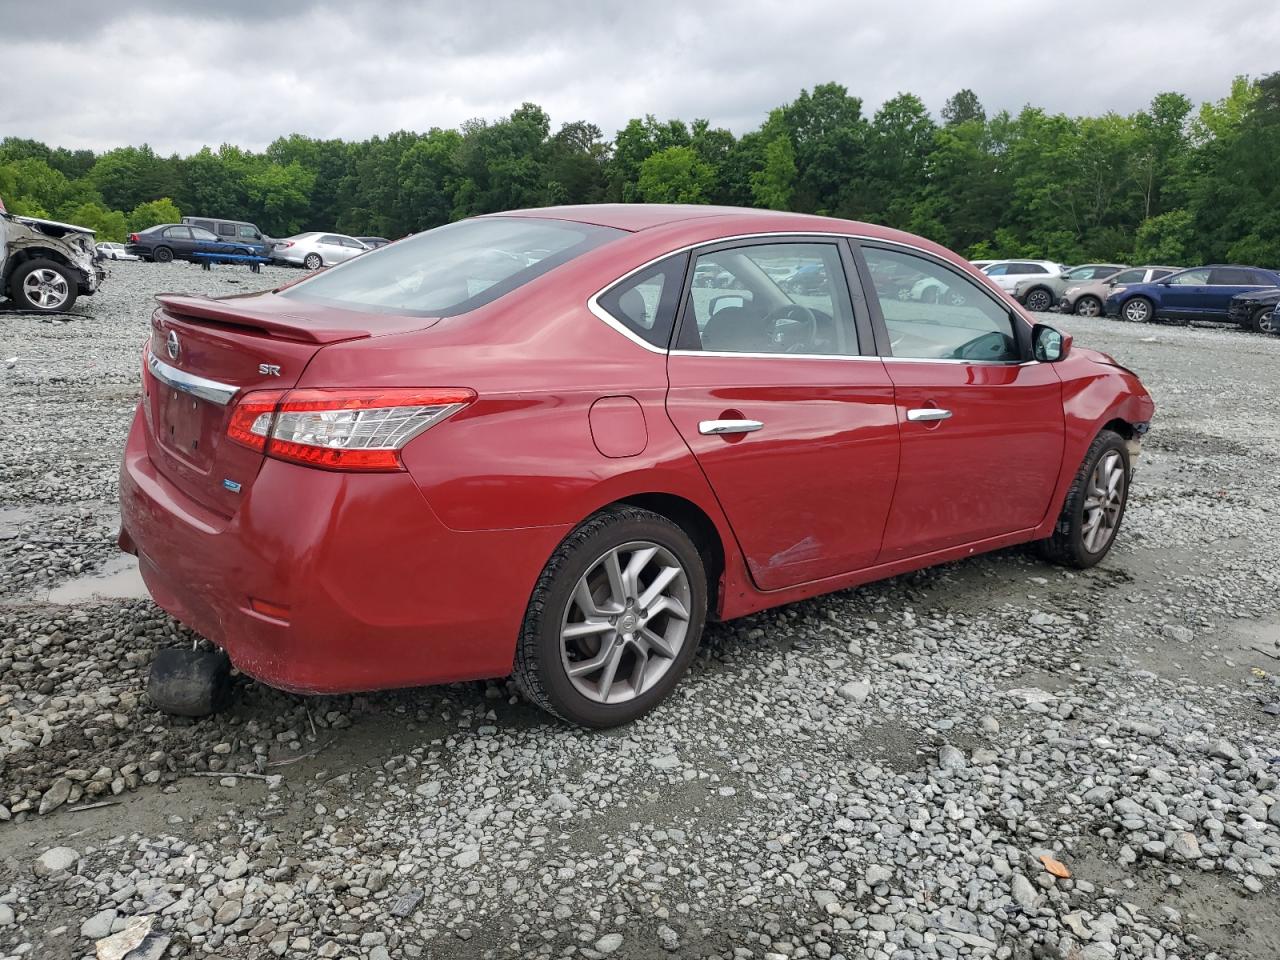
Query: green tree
{"points": [[961, 107], [675, 175], [151, 212], [774, 185]]}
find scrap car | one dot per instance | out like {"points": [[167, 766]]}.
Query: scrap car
{"points": [[45, 265]]}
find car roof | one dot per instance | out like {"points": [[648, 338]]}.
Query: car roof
{"points": [[635, 217]]}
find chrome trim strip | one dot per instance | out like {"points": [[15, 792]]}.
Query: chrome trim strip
{"points": [[202, 387], [775, 356], [709, 428], [593, 301]]}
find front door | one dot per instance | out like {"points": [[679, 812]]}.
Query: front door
{"points": [[1186, 294], [793, 426], [982, 430]]}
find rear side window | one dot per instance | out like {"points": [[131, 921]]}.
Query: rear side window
{"points": [[1029, 268], [178, 233], [227, 229], [454, 268], [1231, 277], [645, 303], [206, 224]]}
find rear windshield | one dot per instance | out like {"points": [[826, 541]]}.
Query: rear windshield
{"points": [[452, 269]]}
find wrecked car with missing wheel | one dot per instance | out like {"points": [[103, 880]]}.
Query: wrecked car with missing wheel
{"points": [[45, 265]]}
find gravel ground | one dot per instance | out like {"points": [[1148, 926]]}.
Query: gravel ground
{"points": [[995, 758]]}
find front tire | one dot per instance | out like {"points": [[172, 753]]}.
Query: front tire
{"points": [[312, 261], [1138, 310], [1095, 505], [44, 286], [614, 620], [1039, 300], [1263, 320], [1088, 307]]}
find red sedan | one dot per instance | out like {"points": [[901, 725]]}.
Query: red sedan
{"points": [[553, 443]]}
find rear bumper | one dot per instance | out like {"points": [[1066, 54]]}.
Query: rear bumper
{"points": [[375, 591]]}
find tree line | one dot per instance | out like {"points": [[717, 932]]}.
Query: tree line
{"points": [[1172, 183]]}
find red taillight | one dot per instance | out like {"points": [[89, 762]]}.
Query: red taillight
{"points": [[133, 238], [341, 429], [251, 418], [284, 243]]}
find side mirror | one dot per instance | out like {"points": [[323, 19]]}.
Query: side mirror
{"points": [[725, 300], [1049, 345]]}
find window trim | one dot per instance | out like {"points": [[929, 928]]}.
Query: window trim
{"points": [[857, 294], [1021, 331], [620, 325]]}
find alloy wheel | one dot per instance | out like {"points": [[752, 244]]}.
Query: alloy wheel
{"points": [[1137, 311], [625, 622], [46, 288], [1104, 502], [1087, 307], [1267, 322], [1039, 301]]}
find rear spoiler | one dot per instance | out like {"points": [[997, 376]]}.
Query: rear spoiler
{"points": [[270, 316]]}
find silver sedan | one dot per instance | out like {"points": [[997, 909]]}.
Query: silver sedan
{"points": [[315, 250]]}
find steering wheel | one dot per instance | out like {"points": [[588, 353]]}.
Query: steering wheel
{"points": [[989, 346], [800, 334]]}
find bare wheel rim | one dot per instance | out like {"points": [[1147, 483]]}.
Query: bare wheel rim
{"points": [[1087, 307], [1038, 301], [1104, 502], [1136, 310], [625, 622], [47, 289]]}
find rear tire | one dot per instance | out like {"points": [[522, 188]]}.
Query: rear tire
{"points": [[43, 286], [1138, 310], [1088, 307], [312, 261], [1097, 498], [1263, 320], [1038, 300], [640, 634], [162, 255]]}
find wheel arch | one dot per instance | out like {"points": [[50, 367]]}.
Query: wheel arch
{"points": [[27, 253], [699, 526]]}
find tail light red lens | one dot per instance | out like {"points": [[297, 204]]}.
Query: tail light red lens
{"points": [[341, 429]]}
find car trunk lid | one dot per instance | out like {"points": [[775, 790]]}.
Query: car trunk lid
{"points": [[205, 355]]}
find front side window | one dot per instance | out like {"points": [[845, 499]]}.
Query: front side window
{"points": [[933, 312], [770, 298], [1190, 278], [646, 302], [205, 235], [249, 233], [454, 268], [1160, 274]]}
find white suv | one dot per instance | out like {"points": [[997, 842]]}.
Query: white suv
{"points": [[1007, 273]]}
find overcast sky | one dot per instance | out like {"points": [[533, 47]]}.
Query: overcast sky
{"points": [[98, 74]]}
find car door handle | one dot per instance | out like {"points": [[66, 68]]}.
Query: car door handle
{"points": [[713, 427], [925, 414]]}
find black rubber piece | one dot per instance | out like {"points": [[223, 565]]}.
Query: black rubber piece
{"points": [[190, 683], [1066, 545], [538, 670]]}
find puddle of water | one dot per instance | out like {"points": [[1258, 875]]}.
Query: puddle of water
{"points": [[119, 579]]}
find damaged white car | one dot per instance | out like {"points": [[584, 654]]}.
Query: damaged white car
{"points": [[45, 265]]}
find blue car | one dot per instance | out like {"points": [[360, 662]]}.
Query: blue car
{"points": [[1201, 293]]}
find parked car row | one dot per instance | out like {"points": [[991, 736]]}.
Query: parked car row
{"points": [[1244, 295]]}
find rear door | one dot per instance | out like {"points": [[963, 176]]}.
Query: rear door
{"points": [[982, 429], [179, 240], [789, 416]]}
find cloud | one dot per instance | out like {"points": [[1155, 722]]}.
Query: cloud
{"points": [[101, 75]]}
